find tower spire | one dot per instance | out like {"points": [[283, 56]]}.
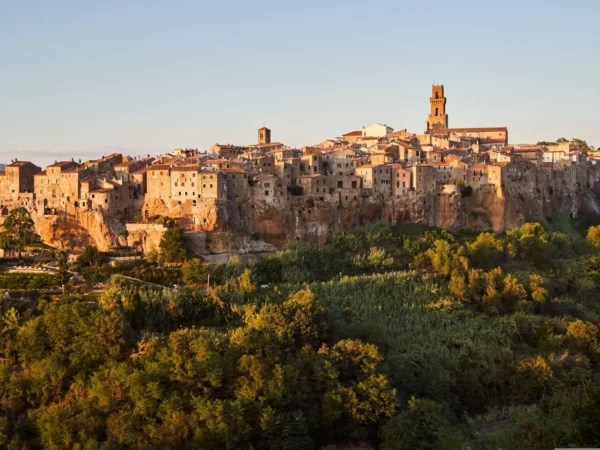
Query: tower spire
{"points": [[437, 114]]}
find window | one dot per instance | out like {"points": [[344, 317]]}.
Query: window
{"points": [[340, 184]]}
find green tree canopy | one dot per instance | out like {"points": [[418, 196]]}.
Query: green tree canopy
{"points": [[195, 272], [90, 257], [19, 230], [172, 245]]}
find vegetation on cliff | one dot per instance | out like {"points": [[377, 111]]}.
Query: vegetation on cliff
{"points": [[404, 337], [19, 231]]}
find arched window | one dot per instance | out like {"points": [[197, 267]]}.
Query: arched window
{"points": [[437, 111]]}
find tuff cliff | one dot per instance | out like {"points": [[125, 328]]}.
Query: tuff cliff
{"points": [[217, 226]]}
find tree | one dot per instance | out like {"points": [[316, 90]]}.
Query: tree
{"points": [[585, 334], [487, 251], [579, 145], [445, 257], [195, 272], [593, 235], [63, 268], [533, 379], [533, 244], [537, 284], [172, 245], [19, 230], [422, 426], [90, 257]]}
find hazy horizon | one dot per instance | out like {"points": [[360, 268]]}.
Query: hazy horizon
{"points": [[84, 80]]}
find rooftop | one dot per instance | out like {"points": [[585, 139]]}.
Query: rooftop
{"points": [[18, 164], [469, 130], [61, 163], [185, 168]]}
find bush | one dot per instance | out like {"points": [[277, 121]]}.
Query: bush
{"points": [[585, 334], [593, 235], [28, 281], [195, 272]]}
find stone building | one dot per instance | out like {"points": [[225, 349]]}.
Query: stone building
{"points": [[158, 182], [58, 185], [184, 184], [264, 136], [352, 137], [268, 189], [238, 190], [315, 184], [104, 164], [423, 178], [376, 130], [532, 153], [17, 178], [227, 150], [438, 118], [401, 180], [213, 185], [376, 177], [489, 136]]}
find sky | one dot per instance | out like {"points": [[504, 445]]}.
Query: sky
{"points": [[86, 78]]}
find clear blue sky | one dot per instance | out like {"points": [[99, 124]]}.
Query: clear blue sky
{"points": [[83, 78]]}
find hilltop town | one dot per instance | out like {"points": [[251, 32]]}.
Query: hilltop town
{"points": [[241, 198]]}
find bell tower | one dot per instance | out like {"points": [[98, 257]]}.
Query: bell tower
{"points": [[437, 115], [264, 136]]}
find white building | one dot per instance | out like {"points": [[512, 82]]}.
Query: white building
{"points": [[377, 130]]}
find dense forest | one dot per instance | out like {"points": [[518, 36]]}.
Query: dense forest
{"points": [[403, 337]]}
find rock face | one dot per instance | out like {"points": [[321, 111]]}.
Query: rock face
{"points": [[526, 192], [146, 236], [220, 226], [72, 232]]}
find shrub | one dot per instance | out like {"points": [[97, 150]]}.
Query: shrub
{"points": [[593, 235], [585, 334]]}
